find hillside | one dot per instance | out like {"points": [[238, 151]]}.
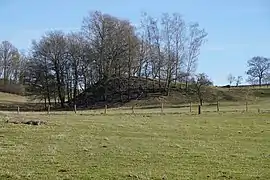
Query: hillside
{"points": [[141, 93], [9, 98], [10, 102], [148, 92]]}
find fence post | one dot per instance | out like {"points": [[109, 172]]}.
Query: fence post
{"points": [[190, 107], [132, 108], [18, 110], [259, 111], [246, 106], [162, 108], [105, 110], [75, 108], [49, 109], [199, 109], [217, 106]]}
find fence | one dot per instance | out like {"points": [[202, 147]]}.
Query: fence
{"points": [[164, 108]]}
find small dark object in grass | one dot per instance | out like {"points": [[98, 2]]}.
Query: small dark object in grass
{"points": [[30, 122], [133, 176], [62, 170], [146, 116], [104, 146], [13, 122], [33, 122]]}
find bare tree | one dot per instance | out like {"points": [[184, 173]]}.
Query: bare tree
{"points": [[258, 68], [195, 39], [238, 80], [200, 83], [231, 79], [266, 79], [252, 81], [168, 32], [179, 32], [157, 61], [52, 51], [76, 55], [113, 44], [146, 49], [8, 53]]}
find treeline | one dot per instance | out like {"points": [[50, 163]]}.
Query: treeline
{"points": [[258, 72], [61, 65], [12, 64]]}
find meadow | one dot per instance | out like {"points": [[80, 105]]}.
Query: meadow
{"points": [[144, 145]]}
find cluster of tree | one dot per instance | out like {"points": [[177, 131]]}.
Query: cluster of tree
{"points": [[12, 64], [200, 83], [233, 79], [258, 72], [61, 65]]}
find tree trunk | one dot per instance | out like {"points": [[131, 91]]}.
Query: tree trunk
{"points": [[5, 72], [47, 83], [186, 84], [119, 83], [75, 84], [55, 99], [68, 91], [45, 102], [59, 86]]}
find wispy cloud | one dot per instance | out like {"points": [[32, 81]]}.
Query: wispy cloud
{"points": [[223, 47], [215, 48]]}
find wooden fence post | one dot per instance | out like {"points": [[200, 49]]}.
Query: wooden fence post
{"points": [[18, 110], [132, 108], [246, 106], [49, 109], [75, 108], [190, 107], [217, 106], [162, 108], [105, 110], [259, 111], [199, 109]]}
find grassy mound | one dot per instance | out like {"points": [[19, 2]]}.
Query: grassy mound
{"points": [[142, 92]]}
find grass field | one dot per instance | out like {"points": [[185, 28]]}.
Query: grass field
{"points": [[142, 146]]}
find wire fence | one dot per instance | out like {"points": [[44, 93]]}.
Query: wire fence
{"points": [[163, 108]]}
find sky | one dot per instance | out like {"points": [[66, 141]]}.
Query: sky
{"points": [[237, 29]]}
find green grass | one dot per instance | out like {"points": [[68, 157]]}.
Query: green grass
{"points": [[141, 146], [11, 98]]}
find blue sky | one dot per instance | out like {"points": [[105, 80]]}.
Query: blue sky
{"points": [[237, 29]]}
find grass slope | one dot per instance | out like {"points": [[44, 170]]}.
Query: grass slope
{"points": [[11, 98], [121, 92], [141, 146], [10, 102]]}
